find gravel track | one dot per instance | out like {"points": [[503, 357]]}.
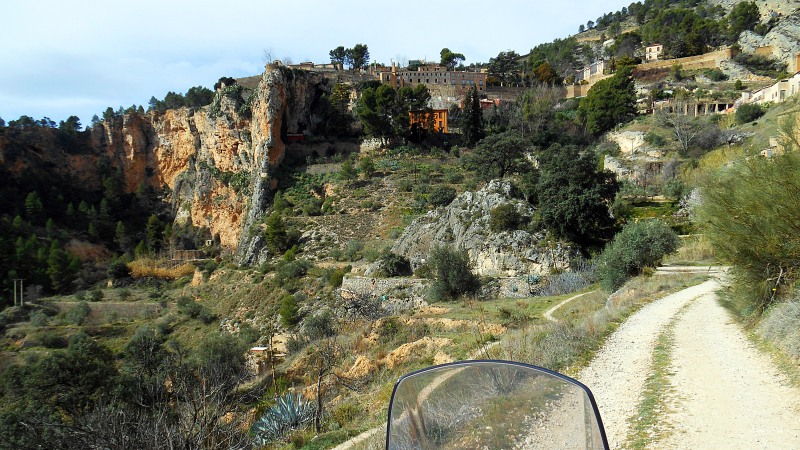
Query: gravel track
{"points": [[723, 392], [617, 373], [729, 395]]}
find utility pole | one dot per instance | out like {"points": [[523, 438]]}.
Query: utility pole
{"points": [[18, 294]]}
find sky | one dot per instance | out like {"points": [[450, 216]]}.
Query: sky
{"points": [[61, 58]]}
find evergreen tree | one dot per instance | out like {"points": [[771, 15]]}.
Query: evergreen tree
{"points": [[609, 102], [472, 128], [498, 155], [574, 196], [275, 234], [34, 209], [141, 250], [61, 268], [153, 233], [121, 236]]}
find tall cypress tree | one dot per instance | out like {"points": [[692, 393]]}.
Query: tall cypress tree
{"points": [[472, 128]]}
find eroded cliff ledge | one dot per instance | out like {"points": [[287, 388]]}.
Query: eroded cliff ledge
{"points": [[215, 162]]}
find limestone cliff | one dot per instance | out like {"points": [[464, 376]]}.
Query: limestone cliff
{"points": [[465, 224], [215, 162]]}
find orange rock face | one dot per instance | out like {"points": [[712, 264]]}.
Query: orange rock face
{"points": [[214, 160]]}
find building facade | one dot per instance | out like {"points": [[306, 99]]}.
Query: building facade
{"points": [[423, 119], [653, 52], [432, 76]]}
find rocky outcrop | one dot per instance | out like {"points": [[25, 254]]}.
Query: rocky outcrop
{"points": [[215, 162], [464, 224], [283, 103], [784, 39]]}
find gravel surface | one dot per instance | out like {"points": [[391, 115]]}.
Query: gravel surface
{"points": [[729, 395], [724, 393], [617, 374]]}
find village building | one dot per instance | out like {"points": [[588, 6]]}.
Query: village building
{"points": [[775, 93], [593, 70], [436, 124], [653, 52], [433, 76]]}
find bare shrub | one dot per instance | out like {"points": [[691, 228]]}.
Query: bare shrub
{"points": [[582, 275], [152, 268], [357, 306]]}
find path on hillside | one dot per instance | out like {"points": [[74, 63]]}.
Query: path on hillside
{"points": [[549, 313], [724, 394]]}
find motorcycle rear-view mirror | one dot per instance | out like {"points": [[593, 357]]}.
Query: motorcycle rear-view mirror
{"points": [[494, 405]]}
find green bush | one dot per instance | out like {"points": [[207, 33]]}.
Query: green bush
{"points": [[287, 271], [51, 339], [336, 278], [748, 112], [353, 250], [388, 329], [118, 269], [715, 74], [189, 307], [655, 139], [453, 274], [405, 185], [39, 318], [674, 189], [95, 295], [347, 171], [453, 176], [504, 217], [289, 311], [394, 265], [366, 166], [750, 212], [638, 245], [422, 188], [320, 325], [441, 196], [77, 314], [761, 65]]}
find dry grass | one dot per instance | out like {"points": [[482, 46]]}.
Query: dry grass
{"points": [[570, 344], [147, 267], [781, 327], [694, 249]]}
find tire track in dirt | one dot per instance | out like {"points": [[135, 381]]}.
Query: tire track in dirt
{"points": [[727, 394], [617, 374]]}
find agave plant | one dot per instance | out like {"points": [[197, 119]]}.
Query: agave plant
{"points": [[290, 412]]}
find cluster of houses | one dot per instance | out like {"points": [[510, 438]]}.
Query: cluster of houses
{"points": [[449, 86]]}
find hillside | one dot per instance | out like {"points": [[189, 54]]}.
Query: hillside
{"points": [[298, 234]]}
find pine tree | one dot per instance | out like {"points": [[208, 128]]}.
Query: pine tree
{"points": [[153, 233], [61, 267], [121, 236], [33, 207]]}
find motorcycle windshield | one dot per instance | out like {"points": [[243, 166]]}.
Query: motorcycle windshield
{"points": [[492, 405]]}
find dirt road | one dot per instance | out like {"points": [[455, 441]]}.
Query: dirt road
{"points": [[720, 393]]}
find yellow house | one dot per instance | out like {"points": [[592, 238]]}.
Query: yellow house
{"points": [[423, 119]]}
